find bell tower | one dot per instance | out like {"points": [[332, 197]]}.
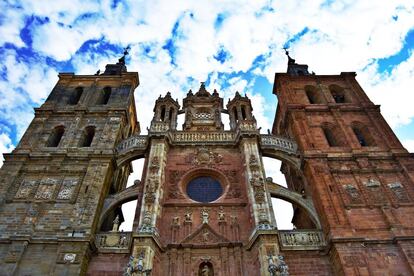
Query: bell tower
{"points": [[54, 183], [355, 170]]}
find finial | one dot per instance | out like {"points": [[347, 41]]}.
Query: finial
{"points": [[126, 52], [290, 60]]}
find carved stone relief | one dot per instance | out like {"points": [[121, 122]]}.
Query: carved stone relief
{"points": [[204, 156], [353, 194], [46, 188], [25, 189], [174, 178], [373, 188], [150, 190], [67, 189], [398, 191]]}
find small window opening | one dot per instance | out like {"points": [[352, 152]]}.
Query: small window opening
{"points": [[55, 136], [330, 138], [314, 97], [105, 95], [243, 112], [170, 114], [236, 119], [76, 95], [338, 94], [363, 136], [162, 117], [87, 136]]}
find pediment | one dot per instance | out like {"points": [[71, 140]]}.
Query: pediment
{"points": [[204, 235]]}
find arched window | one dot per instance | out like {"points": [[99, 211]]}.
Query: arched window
{"points": [[363, 135], [332, 135], [103, 98], [170, 114], [314, 96], [87, 136], [162, 116], [76, 95], [55, 136], [338, 94], [236, 119], [243, 112]]}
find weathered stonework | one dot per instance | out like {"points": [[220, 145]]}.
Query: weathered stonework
{"points": [[349, 179]]}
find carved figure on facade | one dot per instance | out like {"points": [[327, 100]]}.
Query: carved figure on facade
{"points": [[146, 222], [135, 266], [205, 270], [115, 225], [277, 266], [175, 221], [258, 188], [221, 214], [151, 189], [204, 215], [188, 217], [155, 164], [263, 217], [253, 162]]}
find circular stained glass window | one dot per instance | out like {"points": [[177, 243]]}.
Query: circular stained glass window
{"points": [[204, 189]]}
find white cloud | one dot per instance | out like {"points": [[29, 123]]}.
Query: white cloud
{"points": [[6, 145], [408, 144]]}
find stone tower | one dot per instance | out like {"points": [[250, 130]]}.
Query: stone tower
{"points": [[357, 173], [54, 183]]}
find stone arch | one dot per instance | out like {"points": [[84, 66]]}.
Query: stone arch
{"points": [[115, 200], [281, 192], [291, 159]]}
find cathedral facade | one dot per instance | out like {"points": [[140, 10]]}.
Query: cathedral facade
{"points": [[204, 202]]}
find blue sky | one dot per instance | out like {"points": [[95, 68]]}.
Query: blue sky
{"points": [[232, 45]]}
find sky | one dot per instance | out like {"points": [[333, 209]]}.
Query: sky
{"points": [[231, 45]]}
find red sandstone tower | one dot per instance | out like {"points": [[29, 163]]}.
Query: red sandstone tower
{"points": [[358, 174]]}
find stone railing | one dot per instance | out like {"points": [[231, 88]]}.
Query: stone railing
{"points": [[247, 125], [159, 127], [138, 142], [202, 137], [272, 141], [113, 241], [301, 239]]}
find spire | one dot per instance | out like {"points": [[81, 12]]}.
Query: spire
{"points": [[202, 92]]}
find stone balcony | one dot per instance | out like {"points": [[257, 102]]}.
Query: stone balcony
{"points": [[113, 242], [301, 240], [268, 141], [133, 142]]}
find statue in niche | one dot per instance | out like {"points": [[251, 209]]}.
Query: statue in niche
{"points": [[221, 214], [206, 269], [115, 226], [176, 221], [188, 215], [204, 216]]}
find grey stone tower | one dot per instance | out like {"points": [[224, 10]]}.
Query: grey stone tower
{"points": [[54, 183]]}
